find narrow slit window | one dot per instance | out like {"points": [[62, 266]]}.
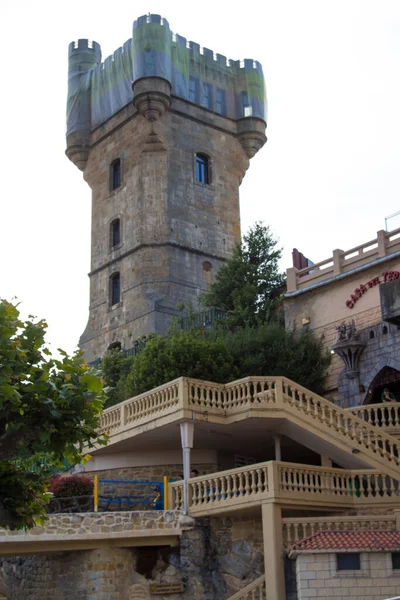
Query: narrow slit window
{"points": [[220, 101], [193, 89], [207, 95], [116, 174], [202, 169], [115, 233], [115, 291]]}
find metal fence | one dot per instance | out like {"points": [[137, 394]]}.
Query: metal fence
{"points": [[115, 494]]}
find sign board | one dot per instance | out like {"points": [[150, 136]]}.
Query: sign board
{"points": [[176, 587], [358, 292]]}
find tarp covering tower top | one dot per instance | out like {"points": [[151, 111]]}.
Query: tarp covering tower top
{"points": [[97, 90]]}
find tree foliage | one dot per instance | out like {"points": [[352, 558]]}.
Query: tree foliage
{"points": [[249, 283], [115, 367], [272, 350], [180, 354], [49, 408], [221, 355]]}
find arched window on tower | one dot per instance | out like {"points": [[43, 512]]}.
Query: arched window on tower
{"points": [[115, 233], [202, 168], [115, 289], [115, 174]]}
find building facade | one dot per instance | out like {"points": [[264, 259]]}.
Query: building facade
{"points": [[352, 300], [164, 157]]}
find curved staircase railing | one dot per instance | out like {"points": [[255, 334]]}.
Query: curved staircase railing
{"points": [[253, 591]]}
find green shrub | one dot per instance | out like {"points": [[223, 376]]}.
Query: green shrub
{"points": [[180, 354]]}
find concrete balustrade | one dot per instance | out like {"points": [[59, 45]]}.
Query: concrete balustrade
{"points": [[254, 591], [295, 529], [385, 244], [379, 415], [261, 397], [288, 484]]}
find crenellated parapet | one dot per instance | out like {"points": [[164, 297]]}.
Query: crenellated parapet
{"points": [[148, 69]]}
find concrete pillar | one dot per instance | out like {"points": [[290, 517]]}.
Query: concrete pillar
{"points": [[337, 261], [397, 517], [291, 279], [381, 239], [273, 551], [187, 431], [277, 444], [325, 461]]}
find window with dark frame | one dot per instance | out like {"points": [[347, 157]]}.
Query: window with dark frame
{"points": [[116, 174], [193, 82], [115, 233], [395, 560], [348, 561], [220, 101], [115, 292], [202, 169], [246, 106], [207, 95]]}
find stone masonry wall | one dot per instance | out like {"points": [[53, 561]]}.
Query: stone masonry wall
{"points": [[81, 524], [103, 574], [171, 225], [215, 558]]}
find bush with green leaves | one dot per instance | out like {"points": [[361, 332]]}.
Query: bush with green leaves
{"points": [[115, 367], [276, 351], [48, 407], [179, 354]]}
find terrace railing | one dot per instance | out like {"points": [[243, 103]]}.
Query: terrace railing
{"points": [[296, 529], [379, 415], [385, 244], [286, 483], [254, 591], [256, 397]]}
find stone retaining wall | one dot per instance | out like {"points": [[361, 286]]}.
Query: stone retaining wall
{"points": [[81, 524]]}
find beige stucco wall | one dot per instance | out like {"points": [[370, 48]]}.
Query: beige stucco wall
{"points": [[325, 306], [148, 459], [317, 577]]}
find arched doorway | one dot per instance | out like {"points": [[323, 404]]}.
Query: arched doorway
{"points": [[387, 378]]}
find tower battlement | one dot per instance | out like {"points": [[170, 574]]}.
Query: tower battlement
{"points": [[232, 88], [85, 46]]}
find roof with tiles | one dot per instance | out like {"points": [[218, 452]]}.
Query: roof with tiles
{"points": [[350, 541]]}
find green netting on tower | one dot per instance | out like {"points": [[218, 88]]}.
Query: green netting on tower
{"points": [[98, 90]]}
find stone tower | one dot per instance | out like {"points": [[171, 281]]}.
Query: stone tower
{"points": [[163, 132]]}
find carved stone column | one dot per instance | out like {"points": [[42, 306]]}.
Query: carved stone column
{"points": [[349, 347]]}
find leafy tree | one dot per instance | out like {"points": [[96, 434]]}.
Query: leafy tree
{"points": [[276, 351], [115, 367], [49, 409], [249, 283], [180, 354]]}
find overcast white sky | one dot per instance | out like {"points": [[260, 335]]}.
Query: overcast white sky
{"points": [[327, 177]]}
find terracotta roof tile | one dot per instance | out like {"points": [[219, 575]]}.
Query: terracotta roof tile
{"points": [[350, 541]]}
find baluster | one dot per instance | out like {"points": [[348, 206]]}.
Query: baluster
{"points": [[223, 488], [234, 487], [229, 493], [247, 483], [253, 479], [385, 480], [369, 486]]}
